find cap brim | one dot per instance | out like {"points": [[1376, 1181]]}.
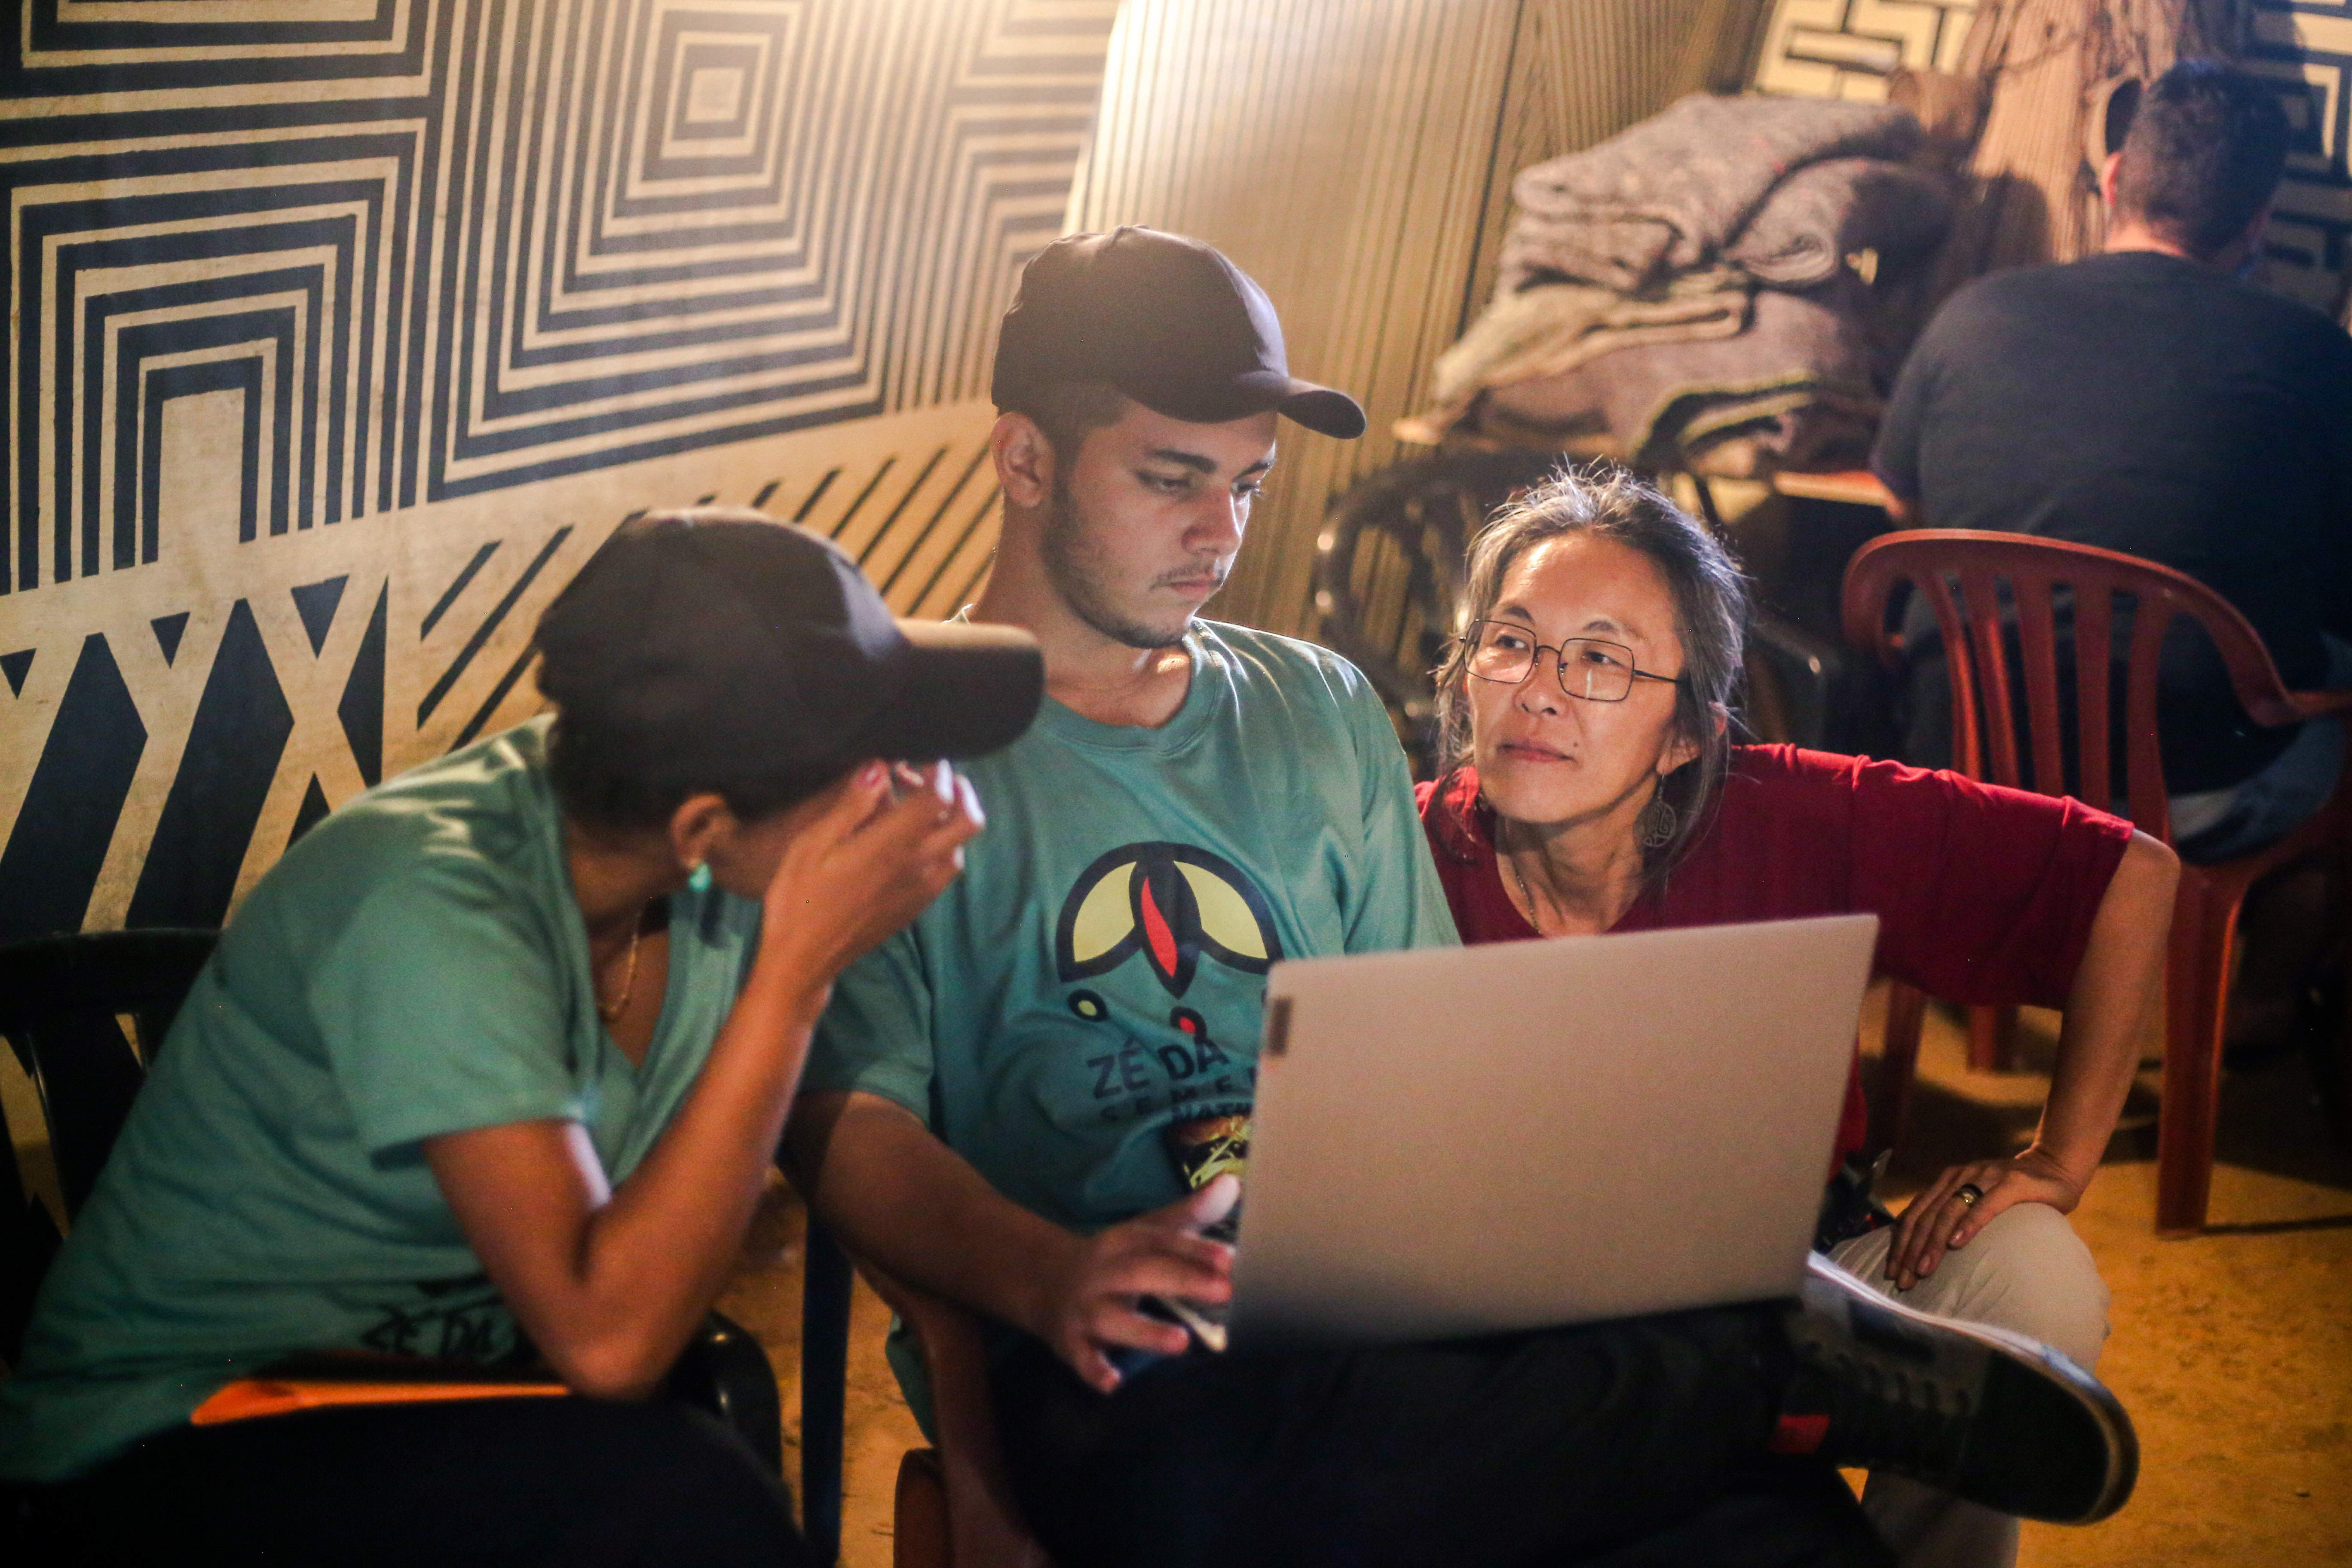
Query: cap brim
{"points": [[1325, 410], [963, 691]]}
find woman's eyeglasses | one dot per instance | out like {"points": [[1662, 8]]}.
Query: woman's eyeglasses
{"points": [[1505, 652]]}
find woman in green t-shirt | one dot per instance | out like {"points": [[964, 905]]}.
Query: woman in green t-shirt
{"points": [[491, 1068]]}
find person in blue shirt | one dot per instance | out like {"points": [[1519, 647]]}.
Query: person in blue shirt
{"points": [[1035, 1100]]}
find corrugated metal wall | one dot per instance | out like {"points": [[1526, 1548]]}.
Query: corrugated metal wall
{"points": [[1355, 159]]}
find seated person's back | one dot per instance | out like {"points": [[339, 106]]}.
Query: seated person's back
{"points": [[2145, 400]]}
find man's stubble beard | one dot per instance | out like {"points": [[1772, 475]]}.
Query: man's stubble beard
{"points": [[1068, 567]]}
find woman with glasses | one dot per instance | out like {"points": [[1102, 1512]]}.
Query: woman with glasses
{"points": [[1591, 786]]}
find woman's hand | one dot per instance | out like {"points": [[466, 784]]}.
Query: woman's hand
{"points": [[2121, 975], [1090, 1306], [1939, 1219], [866, 863]]}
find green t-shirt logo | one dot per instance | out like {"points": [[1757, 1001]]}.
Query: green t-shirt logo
{"points": [[1172, 903]]}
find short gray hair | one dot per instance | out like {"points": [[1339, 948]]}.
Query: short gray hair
{"points": [[1710, 597]]}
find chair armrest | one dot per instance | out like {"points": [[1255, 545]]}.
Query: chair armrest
{"points": [[2308, 705], [983, 1521]]}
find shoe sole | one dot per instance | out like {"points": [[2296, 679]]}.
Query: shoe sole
{"points": [[1876, 1319]]}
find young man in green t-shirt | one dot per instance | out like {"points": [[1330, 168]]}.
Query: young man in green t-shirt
{"points": [[1032, 1100]]}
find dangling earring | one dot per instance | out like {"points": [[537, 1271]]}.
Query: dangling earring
{"points": [[1657, 822]]}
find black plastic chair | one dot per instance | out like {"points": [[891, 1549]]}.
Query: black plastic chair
{"points": [[1388, 572], [62, 1002]]}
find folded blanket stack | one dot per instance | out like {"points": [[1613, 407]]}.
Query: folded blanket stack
{"points": [[1683, 288]]}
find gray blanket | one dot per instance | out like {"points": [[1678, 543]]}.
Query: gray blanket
{"points": [[1549, 330], [1669, 194], [1793, 391]]}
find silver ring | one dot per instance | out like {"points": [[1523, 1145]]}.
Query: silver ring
{"points": [[1967, 1192]]}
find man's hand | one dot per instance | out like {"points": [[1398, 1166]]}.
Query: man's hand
{"points": [[1091, 1305], [1938, 1219]]}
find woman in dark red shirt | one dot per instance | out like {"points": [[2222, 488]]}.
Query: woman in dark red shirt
{"points": [[1593, 787]]}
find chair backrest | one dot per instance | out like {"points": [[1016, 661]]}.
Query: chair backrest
{"points": [[63, 1001], [1387, 571], [1999, 599]]}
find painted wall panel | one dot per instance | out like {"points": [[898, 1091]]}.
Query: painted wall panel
{"points": [[340, 334]]}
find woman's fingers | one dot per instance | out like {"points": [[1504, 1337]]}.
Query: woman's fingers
{"points": [[1918, 1220], [1953, 1209], [1200, 1252], [1119, 1323], [856, 801], [918, 838], [2003, 1194], [1906, 1226], [1148, 1262], [1141, 1257], [1116, 1328], [873, 859]]}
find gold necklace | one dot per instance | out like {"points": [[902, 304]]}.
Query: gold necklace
{"points": [[1517, 876], [628, 984]]}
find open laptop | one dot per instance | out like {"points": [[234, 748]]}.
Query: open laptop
{"points": [[1525, 1134]]}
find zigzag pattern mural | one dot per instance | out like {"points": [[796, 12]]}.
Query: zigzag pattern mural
{"points": [[341, 332], [2306, 45]]}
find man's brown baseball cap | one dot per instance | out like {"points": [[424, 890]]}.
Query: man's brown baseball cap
{"points": [[1166, 319]]}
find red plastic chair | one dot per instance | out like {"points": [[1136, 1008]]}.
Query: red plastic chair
{"points": [[1966, 576]]}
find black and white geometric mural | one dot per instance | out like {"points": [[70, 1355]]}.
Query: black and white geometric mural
{"points": [[2306, 46], [341, 332], [1846, 48]]}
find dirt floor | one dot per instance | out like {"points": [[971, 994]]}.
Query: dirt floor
{"points": [[2234, 1351]]}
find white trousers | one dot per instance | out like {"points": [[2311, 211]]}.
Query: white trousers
{"points": [[2026, 1273]]}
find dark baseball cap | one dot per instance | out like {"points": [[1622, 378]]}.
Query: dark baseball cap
{"points": [[1166, 319], [718, 644]]}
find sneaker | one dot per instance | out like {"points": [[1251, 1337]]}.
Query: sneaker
{"points": [[1983, 1412]]}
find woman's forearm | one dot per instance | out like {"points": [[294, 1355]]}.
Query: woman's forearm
{"points": [[2122, 973], [653, 1258], [609, 1283]]}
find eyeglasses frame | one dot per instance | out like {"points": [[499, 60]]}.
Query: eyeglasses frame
{"points": [[1469, 639]]}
